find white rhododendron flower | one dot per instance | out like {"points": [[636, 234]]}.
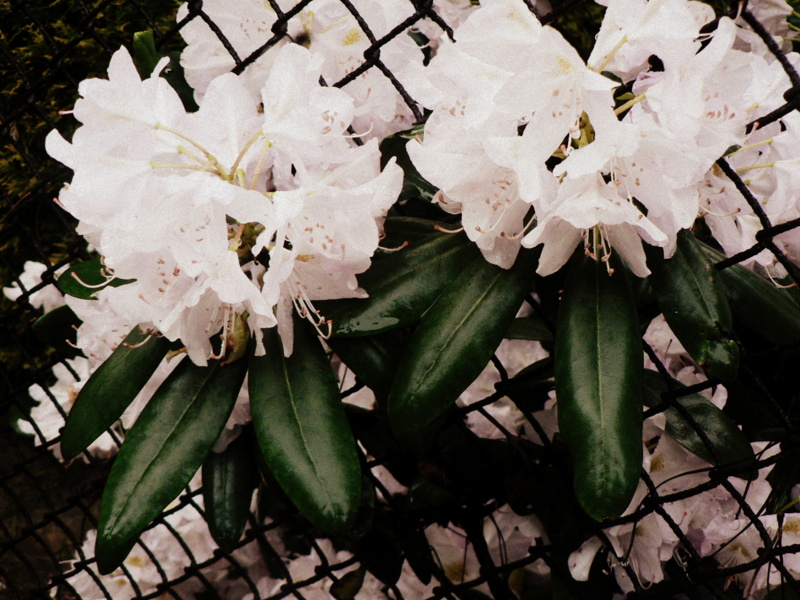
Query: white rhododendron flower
{"points": [[195, 198], [640, 127], [328, 29]]}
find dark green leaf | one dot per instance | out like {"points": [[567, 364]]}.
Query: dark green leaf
{"points": [[85, 279], [529, 328], [372, 358], [229, 479], [531, 386], [372, 431], [730, 445], [398, 230], [145, 55], [424, 494], [303, 432], [110, 389], [57, 329], [598, 373], [348, 585], [693, 302], [758, 303], [401, 286], [379, 549], [456, 339], [163, 451]]}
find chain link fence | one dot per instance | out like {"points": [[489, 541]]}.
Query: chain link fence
{"points": [[511, 470]]}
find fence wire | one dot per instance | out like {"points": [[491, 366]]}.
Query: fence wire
{"points": [[47, 509]]}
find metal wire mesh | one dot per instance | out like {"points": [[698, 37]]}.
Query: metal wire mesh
{"points": [[47, 508]]}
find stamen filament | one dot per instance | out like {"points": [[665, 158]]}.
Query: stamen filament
{"points": [[630, 103], [522, 232], [332, 25], [260, 164], [184, 150], [138, 344], [237, 239], [211, 158], [753, 145], [611, 54], [367, 132], [205, 167], [735, 211], [186, 138], [786, 507], [93, 286], [496, 223], [779, 285], [247, 147], [443, 230], [400, 247], [751, 167]]}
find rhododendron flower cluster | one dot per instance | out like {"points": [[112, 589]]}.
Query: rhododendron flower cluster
{"points": [[216, 225], [236, 211], [637, 128], [190, 205]]}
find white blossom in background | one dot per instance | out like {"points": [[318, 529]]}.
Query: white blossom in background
{"points": [[327, 28], [169, 557], [508, 537], [514, 355], [304, 567], [768, 163], [55, 402], [693, 95], [47, 298], [634, 30]]}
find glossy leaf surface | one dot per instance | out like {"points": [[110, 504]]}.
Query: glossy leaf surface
{"points": [[110, 389], [401, 286], [229, 479], [759, 303], [694, 305], [598, 374], [373, 359], [303, 432], [163, 451], [729, 444], [456, 339], [529, 328]]}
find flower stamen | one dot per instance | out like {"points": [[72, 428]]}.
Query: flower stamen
{"points": [[260, 164], [400, 247], [611, 54], [443, 230], [247, 147], [629, 104]]}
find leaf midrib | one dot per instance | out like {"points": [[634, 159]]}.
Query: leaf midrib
{"points": [[166, 439], [453, 332], [306, 447]]}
